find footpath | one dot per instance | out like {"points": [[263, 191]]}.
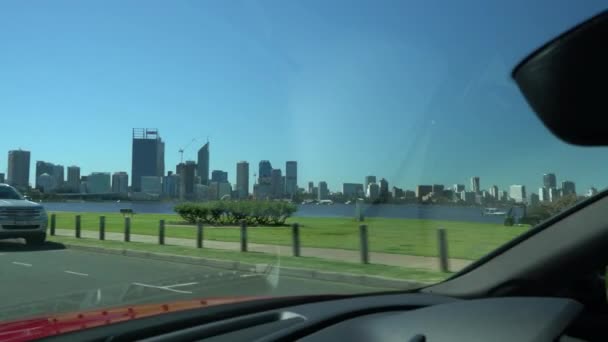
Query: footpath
{"points": [[399, 260]]}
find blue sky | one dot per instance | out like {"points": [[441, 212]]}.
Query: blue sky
{"points": [[413, 91]]}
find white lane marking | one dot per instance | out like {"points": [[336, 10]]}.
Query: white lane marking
{"points": [[248, 275], [77, 273], [161, 288], [178, 285], [22, 264]]}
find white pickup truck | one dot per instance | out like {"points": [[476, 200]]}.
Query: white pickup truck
{"points": [[20, 218]]}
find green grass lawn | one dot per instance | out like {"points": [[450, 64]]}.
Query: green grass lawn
{"points": [[257, 258], [466, 240]]}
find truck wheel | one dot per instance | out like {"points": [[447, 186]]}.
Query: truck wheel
{"points": [[35, 240]]}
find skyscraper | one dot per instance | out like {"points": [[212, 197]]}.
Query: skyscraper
{"points": [[74, 178], [384, 194], [19, 168], [2, 179], [423, 190], [99, 183], [291, 178], [518, 193], [59, 175], [264, 173], [352, 190], [323, 191], [475, 185], [311, 187], [171, 185], [568, 188], [120, 182], [186, 172], [148, 156], [203, 164], [43, 167], [458, 188], [543, 194], [549, 180], [373, 191], [494, 192], [242, 179], [219, 176], [368, 180], [438, 188], [275, 183], [554, 194]]}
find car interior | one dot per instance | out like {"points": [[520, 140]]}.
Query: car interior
{"points": [[546, 285]]}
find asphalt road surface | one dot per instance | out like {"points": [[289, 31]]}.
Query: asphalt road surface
{"points": [[51, 278]]}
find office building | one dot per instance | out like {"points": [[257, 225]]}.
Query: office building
{"points": [[494, 192], [291, 178], [543, 194], [186, 172], [311, 187], [468, 196], [18, 174], [373, 191], [475, 185], [554, 194], [43, 167], [262, 191], [2, 179], [549, 181], [423, 190], [397, 192], [224, 191], [458, 188], [148, 156], [171, 185], [276, 182], [409, 195], [120, 182], [242, 179], [323, 191], [219, 176], [203, 164], [534, 199], [59, 175], [568, 188], [264, 172], [201, 191], [518, 193], [368, 180], [352, 190], [74, 178], [99, 183], [46, 183], [213, 191], [384, 192], [504, 197], [437, 189], [152, 185]]}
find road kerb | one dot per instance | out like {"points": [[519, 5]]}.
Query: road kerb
{"points": [[356, 279]]}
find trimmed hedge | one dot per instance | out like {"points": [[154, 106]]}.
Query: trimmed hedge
{"points": [[233, 212]]}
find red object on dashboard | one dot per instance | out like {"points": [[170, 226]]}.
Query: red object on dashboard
{"points": [[34, 328]]}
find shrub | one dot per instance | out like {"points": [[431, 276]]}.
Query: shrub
{"points": [[233, 212]]}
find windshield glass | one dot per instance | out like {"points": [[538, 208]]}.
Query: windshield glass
{"points": [[272, 147], [9, 193]]}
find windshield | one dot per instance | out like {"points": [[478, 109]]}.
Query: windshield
{"points": [[200, 149], [9, 193]]}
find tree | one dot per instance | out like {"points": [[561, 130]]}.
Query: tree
{"points": [[545, 210]]}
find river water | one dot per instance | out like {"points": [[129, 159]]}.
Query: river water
{"points": [[411, 211]]}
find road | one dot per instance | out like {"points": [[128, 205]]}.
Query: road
{"points": [[56, 279]]}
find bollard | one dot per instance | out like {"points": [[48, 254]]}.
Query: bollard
{"points": [[442, 243], [102, 227], [53, 223], [127, 229], [295, 232], [161, 232], [364, 244], [199, 235], [243, 236], [77, 228]]}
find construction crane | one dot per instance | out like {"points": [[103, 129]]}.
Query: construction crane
{"points": [[181, 150]]}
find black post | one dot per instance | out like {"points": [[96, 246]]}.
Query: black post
{"points": [[364, 244], [78, 226], [127, 229], [199, 235], [442, 243], [53, 222], [161, 232], [243, 236], [295, 233], [102, 227]]}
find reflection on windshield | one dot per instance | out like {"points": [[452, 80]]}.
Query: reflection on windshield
{"points": [[9, 193]]}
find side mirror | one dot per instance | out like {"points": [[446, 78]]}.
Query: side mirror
{"points": [[565, 83]]}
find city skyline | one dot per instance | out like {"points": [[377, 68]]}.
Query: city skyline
{"points": [[401, 99]]}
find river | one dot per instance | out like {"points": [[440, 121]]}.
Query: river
{"points": [[412, 211]]}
